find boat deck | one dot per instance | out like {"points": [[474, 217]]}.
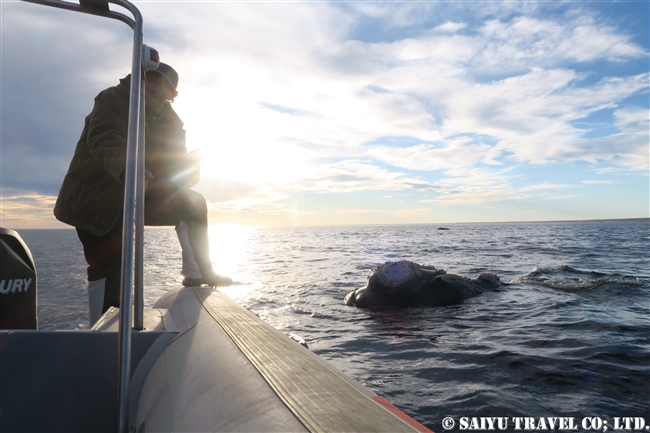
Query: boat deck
{"points": [[203, 363]]}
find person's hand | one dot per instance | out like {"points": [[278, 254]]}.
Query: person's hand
{"points": [[147, 177], [195, 167], [195, 157]]}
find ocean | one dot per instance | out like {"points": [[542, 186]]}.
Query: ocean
{"points": [[569, 336]]}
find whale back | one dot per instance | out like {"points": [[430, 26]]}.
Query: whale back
{"points": [[488, 281], [389, 283], [454, 288], [443, 290]]}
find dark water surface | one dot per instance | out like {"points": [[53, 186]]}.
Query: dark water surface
{"points": [[569, 336]]}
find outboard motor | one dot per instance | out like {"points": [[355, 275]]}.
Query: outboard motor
{"points": [[17, 283]]}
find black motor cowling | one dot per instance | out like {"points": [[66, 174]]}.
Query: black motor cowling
{"points": [[17, 283]]}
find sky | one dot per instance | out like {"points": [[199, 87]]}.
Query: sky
{"points": [[326, 113]]}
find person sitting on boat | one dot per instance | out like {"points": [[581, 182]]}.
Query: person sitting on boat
{"points": [[92, 195]]}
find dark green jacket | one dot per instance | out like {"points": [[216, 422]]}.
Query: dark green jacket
{"points": [[92, 195]]}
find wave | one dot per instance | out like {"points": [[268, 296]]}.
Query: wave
{"points": [[566, 278]]}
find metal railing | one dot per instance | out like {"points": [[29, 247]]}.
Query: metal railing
{"points": [[133, 217]]}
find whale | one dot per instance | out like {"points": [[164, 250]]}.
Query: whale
{"points": [[403, 284]]}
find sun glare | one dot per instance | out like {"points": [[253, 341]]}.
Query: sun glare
{"points": [[230, 252], [238, 137]]}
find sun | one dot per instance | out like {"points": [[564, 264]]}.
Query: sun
{"points": [[239, 139]]}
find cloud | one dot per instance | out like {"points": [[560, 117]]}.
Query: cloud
{"points": [[476, 185], [531, 114], [452, 153], [598, 182], [398, 214], [354, 176], [628, 149], [562, 197], [450, 27], [48, 86], [543, 186], [26, 210], [526, 40], [428, 87], [395, 15], [282, 109], [236, 194], [434, 98]]}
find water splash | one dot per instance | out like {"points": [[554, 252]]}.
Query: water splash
{"points": [[570, 279]]}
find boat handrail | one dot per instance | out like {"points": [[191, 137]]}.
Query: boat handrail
{"points": [[133, 216], [86, 6]]}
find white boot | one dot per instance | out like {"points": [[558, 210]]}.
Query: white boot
{"points": [[190, 267], [96, 299]]}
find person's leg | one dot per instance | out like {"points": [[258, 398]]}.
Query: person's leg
{"points": [[190, 268], [96, 290], [162, 209], [104, 257], [188, 211], [194, 213]]}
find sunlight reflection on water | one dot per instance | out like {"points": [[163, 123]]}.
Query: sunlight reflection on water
{"points": [[545, 345], [232, 249]]}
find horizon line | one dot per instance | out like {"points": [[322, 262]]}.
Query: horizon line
{"points": [[567, 221]]}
